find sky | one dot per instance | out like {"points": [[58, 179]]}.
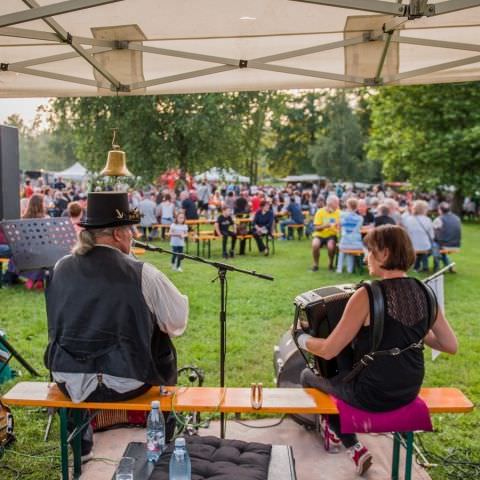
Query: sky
{"points": [[25, 107]]}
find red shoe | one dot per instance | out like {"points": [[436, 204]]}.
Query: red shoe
{"points": [[331, 442], [38, 285], [361, 457]]}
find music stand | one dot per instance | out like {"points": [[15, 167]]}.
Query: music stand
{"points": [[37, 244]]}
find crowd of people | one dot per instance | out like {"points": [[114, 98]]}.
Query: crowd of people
{"points": [[336, 218]]}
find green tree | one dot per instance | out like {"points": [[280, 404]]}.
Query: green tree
{"points": [[254, 109], [294, 127], [429, 135], [193, 132], [36, 146], [338, 149]]}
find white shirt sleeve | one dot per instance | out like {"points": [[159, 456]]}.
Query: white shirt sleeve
{"points": [[437, 223], [163, 299]]}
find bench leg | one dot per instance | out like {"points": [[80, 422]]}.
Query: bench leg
{"points": [[77, 443], [63, 442], [395, 456], [409, 456]]}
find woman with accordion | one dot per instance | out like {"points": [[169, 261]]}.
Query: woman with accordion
{"points": [[410, 320]]}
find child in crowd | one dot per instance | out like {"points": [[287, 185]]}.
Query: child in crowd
{"points": [[165, 212], [351, 238], [178, 233], [222, 227], [75, 213]]}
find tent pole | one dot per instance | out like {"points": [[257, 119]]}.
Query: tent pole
{"points": [[40, 12]]}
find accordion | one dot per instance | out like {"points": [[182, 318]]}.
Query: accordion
{"points": [[317, 313]]}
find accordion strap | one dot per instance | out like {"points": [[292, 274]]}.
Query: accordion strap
{"points": [[377, 311], [368, 358]]}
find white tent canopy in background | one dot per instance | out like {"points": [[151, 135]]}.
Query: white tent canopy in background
{"points": [[101, 47], [219, 174], [76, 172]]}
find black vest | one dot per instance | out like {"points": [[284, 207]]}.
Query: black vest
{"points": [[99, 322]]}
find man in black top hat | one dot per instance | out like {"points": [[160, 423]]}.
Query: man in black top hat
{"points": [[110, 316]]}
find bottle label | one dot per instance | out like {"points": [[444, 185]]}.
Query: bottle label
{"points": [[155, 442]]}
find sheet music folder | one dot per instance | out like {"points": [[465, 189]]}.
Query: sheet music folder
{"points": [[38, 243]]}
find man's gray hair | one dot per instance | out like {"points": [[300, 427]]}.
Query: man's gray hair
{"points": [[87, 239], [332, 199]]}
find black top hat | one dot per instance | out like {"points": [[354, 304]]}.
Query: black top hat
{"points": [[109, 209]]}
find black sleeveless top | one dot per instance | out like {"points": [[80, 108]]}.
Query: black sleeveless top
{"points": [[390, 382]]}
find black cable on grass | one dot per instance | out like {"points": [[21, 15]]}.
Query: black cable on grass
{"points": [[272, 425], [461, 469]]}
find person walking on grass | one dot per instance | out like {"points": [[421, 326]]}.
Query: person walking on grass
{"points": [[178, 233]]}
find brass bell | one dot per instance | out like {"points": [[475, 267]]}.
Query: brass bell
{"points": [[116, 165]]}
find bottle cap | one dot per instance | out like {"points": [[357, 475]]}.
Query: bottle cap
{"points": [[180, 442], [155, 404]]}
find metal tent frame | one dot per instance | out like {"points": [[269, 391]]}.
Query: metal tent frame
{"points": [[87, 48]]}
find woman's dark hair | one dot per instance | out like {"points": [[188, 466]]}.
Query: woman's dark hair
{"points": [[401, 254]]}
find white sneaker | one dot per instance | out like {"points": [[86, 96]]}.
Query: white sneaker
{"points": [[87, 457], [179, 269], [361, 457], [172, 265], [331, 442]]}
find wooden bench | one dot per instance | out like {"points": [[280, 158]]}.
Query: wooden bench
{"points": [[245, 237], [449, 250], [359, 255], [205, 239], [298, 227], [213, 399]]}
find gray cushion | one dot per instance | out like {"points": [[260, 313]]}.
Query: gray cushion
{"points": [[216, 459]]}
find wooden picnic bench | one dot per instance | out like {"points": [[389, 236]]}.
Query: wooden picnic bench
{"points": [[214, 399], [298, 227], [359, 255]]}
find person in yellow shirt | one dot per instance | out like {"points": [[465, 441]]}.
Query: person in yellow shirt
{"points": [[325, 226]]}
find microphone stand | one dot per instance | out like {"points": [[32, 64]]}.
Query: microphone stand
{"points": [[222, 269], [439, 273]]}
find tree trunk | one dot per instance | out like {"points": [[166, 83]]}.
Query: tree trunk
{"points": [[457, 204]]}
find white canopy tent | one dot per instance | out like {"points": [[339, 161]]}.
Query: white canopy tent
{"points": [[226, 175], [108, 47], [76, 172]]}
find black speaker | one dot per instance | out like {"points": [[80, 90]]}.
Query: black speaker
{"points": [[9, 174]]}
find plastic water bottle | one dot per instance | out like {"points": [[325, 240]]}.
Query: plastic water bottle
{"points": [[155, 433], [180, 466]]}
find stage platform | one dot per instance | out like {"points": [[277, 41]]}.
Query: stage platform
{"points": [[311, 460]]}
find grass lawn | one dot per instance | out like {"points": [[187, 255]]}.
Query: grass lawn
{"points": [[259, 312]]}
